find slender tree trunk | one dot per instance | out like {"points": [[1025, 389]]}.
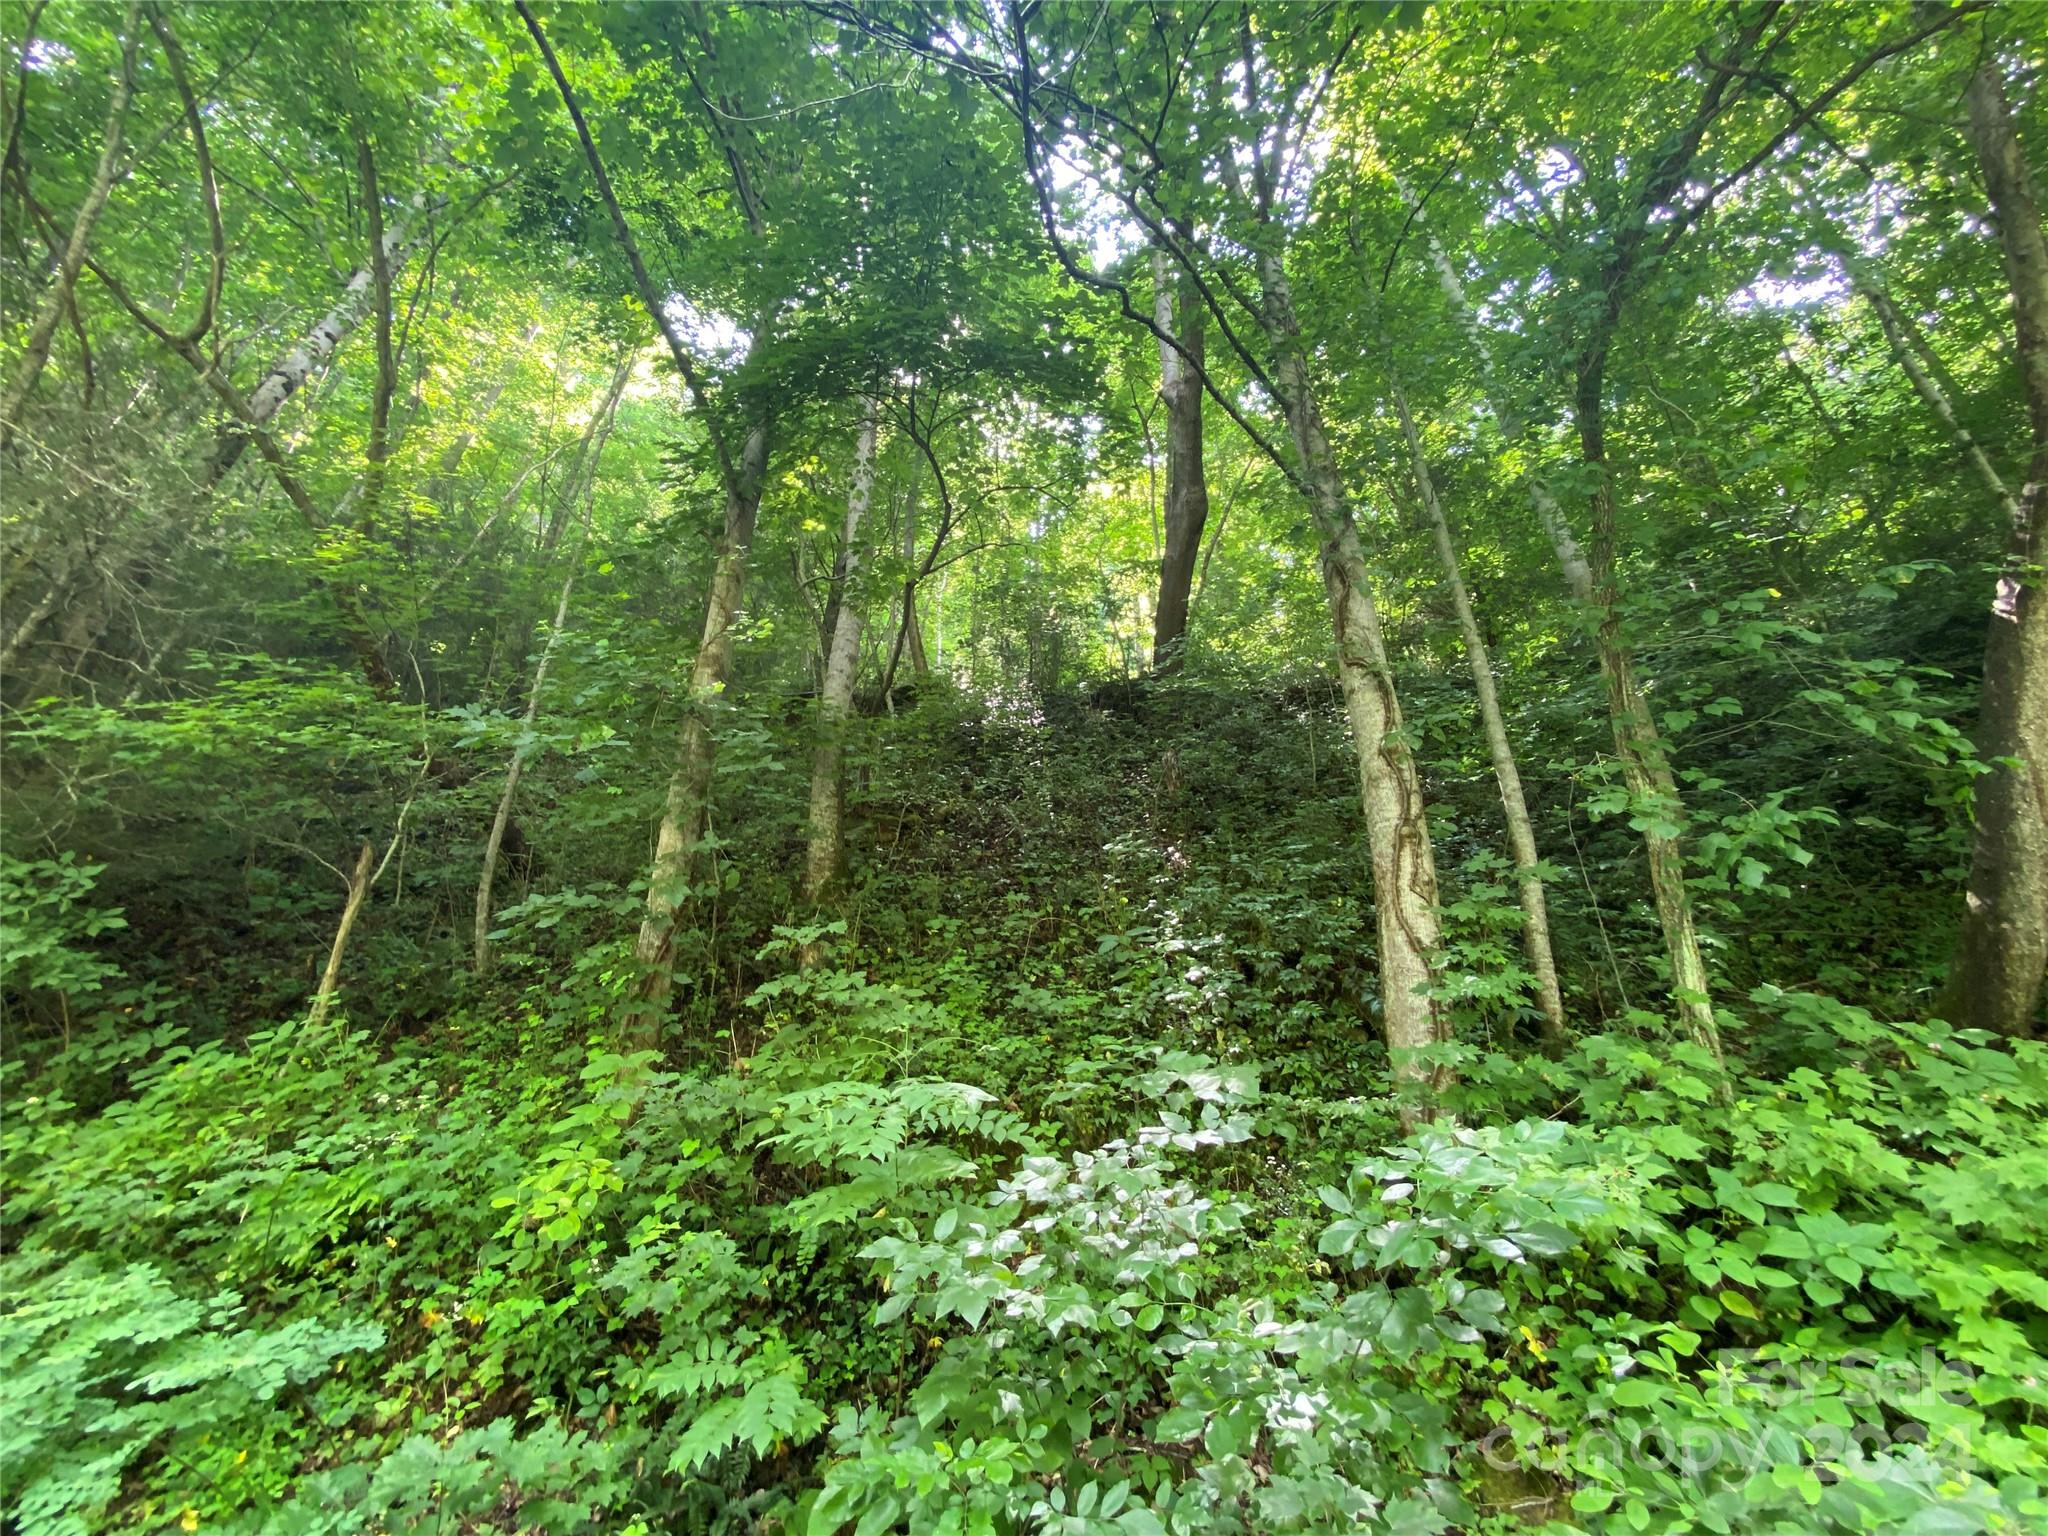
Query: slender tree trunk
{"points": [[1578, 575], [689, 787], [494, 842], [908, 629], [1216, 538], [33, 620], [378, 450], [1936, 399], [312, 351], [1187, 486], [588, 451], [1521, 831], [88, 614], [57, 301], [2001, 955], [1397, 829], [1645, 764], [919, 570], [583, 483], [330, 979], [368, 871], [835, 693], [911, 641]]}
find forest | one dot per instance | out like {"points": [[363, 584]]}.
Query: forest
{"points": [[978, 767]]}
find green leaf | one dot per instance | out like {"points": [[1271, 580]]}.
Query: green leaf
{"points": [[1407, 1325], [1339, 1238]]}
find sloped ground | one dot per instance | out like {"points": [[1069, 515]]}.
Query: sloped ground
{"points": [[1063, 1195]]}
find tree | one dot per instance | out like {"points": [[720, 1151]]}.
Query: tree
{"points": [[1995, 981], [1110, 134], [842, 653], [1177, 310], [57, 303], [1507, 774]]}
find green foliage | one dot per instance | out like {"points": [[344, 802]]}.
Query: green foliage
{"points": [[569, 1286], [1041, 1171], [1562, 1315], [44, 913], [105, 1368]]}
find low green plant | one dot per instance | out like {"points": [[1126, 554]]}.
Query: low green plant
{"points": [[47, 924]]}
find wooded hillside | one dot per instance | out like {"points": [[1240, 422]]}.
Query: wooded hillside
{"points": [[998, 766]]}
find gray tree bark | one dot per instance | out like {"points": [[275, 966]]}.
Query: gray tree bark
{"points": [[1187, 486], [2002, 952], [131, 555], [312, 352], [835, 693], [1639, 746], [688, 801], [368, 871], [1390, 789], [330, 979], [907, 621], [1514, 806]]}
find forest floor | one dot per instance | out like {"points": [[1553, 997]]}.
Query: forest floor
{"points": [[1064, 1194]]}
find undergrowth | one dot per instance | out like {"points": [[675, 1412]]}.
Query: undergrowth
{"points": [[1057, 1194], [307, 1284]]}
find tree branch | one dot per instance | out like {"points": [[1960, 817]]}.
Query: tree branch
{"points": [[656, 310]]}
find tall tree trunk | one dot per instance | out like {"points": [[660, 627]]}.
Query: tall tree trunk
{"points": [[23, 632], [501, 819], [588, 449], [1638, 744], [288, 375], [1521, 831], [2002, 952], [1397, 829], [378, 450], [1936, 398], [1187, 485], [1646, 767], [689, 787], [919, 570], [57, 301], [835, 693]]}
